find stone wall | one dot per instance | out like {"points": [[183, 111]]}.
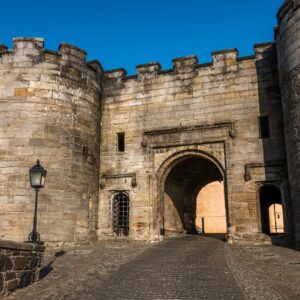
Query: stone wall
{"points": [[19, 265], [208, 110], [52, 108], [287, 39], [49, 110]]}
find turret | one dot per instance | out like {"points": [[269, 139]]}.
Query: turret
{"points": [[49, 110], [288, 52]]}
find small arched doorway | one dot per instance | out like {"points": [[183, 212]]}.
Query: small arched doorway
{"points": [[192, 192], [271, 209]]}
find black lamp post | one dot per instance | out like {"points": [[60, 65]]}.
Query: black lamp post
{"points": [[37, 181]]}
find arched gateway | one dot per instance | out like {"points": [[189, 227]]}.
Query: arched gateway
{"points": [[192, 194]]}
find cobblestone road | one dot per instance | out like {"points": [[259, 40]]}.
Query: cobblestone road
{"points": [[267, 272], [181, 268], [188, 267]]}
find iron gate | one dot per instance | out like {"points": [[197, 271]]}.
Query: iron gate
{"points": [[121, 214]]}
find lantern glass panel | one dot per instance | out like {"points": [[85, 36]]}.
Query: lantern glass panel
{"points": [[35, 178]]}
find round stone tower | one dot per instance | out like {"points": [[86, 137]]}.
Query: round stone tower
{"points": [[288, 52], [49, 110]]}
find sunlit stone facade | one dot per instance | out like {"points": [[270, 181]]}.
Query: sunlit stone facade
{"points": [[130, 155]]}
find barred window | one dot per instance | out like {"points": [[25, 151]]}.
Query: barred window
{"points": [[121, 214]]}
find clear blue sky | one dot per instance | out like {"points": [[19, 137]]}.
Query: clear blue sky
{"points": [[124, 33]]}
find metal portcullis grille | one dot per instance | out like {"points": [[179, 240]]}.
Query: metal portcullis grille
{"points": [[121, 214]]}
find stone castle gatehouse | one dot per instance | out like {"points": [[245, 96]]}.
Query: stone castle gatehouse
{"points": [[211, 148]]}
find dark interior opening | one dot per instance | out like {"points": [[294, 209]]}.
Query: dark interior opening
{"points": [[121, 141], [264, 126], [181, 189]]}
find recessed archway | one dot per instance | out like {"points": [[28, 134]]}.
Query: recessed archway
{"points": [[193, 190]]}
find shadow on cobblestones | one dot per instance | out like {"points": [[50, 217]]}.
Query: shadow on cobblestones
{"points": [[283, 240], [48, 268], [69, 274]]}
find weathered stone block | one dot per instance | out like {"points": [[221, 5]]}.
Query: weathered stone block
{"points": [[12, 285], [5, 263], [26, 279], [10, 276], [19, 263], [1, 282]]}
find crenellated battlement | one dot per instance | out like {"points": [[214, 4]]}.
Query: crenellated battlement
{"points": [[28, 43], [29, 49], [148, 70], [185, 62], [224, 60]]}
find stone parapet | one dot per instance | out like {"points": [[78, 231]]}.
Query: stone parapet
{"points": [[185, 62], [148, 70], [227, 60], [19, 264]]}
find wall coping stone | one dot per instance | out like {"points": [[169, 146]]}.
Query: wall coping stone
{"points": [[28, 39], [183, 58], [21, 246], [150, 64], [230, 50], [69, 46], [264, 44]]}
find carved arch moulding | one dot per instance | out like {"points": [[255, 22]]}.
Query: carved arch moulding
{"points": [[210, 140]]}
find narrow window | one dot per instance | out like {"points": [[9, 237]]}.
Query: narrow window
{"points": [[121, 141], [264, 127]]}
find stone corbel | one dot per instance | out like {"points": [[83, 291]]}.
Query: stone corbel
{"points": [[232, 132], [102, 183], [247, 175], [144, 141]]}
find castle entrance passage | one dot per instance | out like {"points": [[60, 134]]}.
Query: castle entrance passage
{"points": [[193, 199]]}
